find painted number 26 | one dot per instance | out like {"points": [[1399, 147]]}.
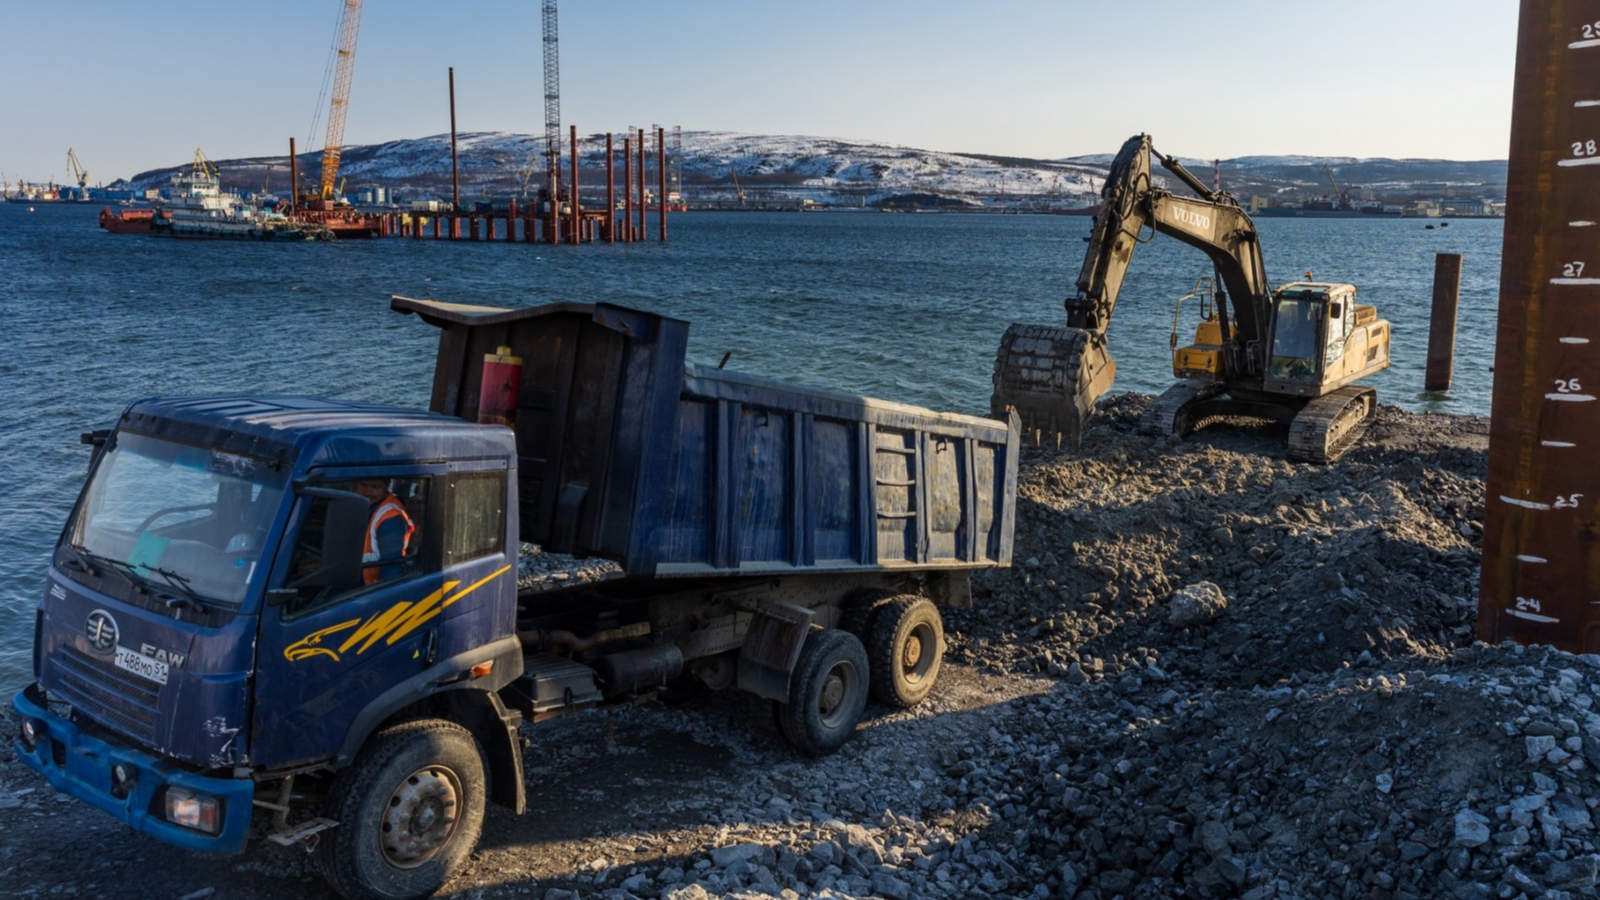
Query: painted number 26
{"points": [[1568, 386], [1585, 148], [1570, 501]]}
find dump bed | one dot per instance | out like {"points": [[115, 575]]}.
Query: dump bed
{"points": [[674, 471]]}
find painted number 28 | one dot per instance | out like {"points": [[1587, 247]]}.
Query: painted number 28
{"points": [[1585, 148], [1568, 386], [1569, 501]]}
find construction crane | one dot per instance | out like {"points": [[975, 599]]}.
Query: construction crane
{"points": [[338, 105], [552, 102], [78, 172], [736, 188]]}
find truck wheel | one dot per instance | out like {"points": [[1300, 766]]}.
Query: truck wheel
{"points": [[409, 810], [827, 692], [906, 647]]}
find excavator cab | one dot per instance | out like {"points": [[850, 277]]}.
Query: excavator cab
{"points": [[1321, 339]]}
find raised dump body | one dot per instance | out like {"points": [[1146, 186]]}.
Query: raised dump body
{"points": [[676, 471]]}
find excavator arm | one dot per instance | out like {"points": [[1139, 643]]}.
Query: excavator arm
{"points": [[1053, 376]]}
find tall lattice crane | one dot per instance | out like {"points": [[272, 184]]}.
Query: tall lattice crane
{"points": [[552, 101], [338, 105]]}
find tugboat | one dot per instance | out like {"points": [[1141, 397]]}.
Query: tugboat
{"points": [[199, 208]]}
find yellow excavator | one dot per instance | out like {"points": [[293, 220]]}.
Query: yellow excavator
{"points": [[1291, 355]]}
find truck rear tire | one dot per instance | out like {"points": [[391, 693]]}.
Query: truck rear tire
{"points": [[410, 810], [906, 647], [827, 692]]}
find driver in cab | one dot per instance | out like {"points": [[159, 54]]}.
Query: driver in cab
{"points": [[389, 531]]}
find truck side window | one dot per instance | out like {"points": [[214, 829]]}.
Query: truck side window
{"points": [[392, 544], [475, 516]]}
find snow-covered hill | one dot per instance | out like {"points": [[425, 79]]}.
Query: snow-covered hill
{"points": [[717, 164]]}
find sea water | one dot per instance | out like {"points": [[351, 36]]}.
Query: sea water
{"points": [[904, 307]]}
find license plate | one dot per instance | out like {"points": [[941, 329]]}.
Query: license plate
{"points": [[139, 664]]}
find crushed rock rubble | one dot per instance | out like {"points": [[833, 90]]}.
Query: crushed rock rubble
{"points": [[538, 570]]}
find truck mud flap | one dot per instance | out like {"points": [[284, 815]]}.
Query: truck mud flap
{"points": [[771, 647]]}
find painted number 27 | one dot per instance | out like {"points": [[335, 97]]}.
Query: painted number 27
{"points": [[1585, 148], [1572, 270]]}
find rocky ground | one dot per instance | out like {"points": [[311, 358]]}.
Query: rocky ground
{"points": [[1212, 673]]}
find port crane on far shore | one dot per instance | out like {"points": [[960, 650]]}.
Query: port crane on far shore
{"points": [[78, 172]]}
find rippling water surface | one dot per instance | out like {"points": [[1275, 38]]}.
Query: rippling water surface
{"points": [[903, 307]]}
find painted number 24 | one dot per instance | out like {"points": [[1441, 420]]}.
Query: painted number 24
{"points": [[1585, 148], [1527, 604]]}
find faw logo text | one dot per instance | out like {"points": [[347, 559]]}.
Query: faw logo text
{"points": [[1191, 218], [165, 656]]}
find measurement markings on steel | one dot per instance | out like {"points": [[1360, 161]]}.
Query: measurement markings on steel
{"points": [[1541, 554]]}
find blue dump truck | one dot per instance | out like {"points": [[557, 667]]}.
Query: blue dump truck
{"points": [[304, 620]]}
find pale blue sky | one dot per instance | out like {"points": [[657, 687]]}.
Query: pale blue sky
{"points": [[134, 86]]}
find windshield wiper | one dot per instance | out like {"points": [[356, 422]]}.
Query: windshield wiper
{"points": [[88, 561], [180, 584]]}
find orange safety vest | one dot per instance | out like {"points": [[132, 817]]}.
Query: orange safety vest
{"points": [[386, 510]]}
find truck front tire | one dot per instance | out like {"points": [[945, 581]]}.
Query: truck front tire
{"points": [[827, 692], [410, 810]]}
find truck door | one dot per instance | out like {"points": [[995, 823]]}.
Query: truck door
{"points": [[326, 651]]}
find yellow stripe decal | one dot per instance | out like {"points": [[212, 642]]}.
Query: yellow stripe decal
{"points": [[391, 625]]}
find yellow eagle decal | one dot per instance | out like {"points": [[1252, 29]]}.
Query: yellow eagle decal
{"points": [[388, 626]]}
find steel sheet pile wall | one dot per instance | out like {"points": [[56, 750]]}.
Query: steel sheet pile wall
{"points": [[1541, 555]]}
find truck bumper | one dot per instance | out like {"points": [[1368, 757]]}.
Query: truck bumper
{"points": [[81, 765]]}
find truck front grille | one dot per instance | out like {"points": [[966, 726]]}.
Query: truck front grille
{"points": [[105, 693]]}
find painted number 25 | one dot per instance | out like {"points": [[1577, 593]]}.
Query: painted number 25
{"points": [[1569, 501], [1585, 148], [1568, 386], [1572, 270]]}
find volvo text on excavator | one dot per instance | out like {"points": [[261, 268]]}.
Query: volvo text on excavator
{"points": [[1292, 355]]}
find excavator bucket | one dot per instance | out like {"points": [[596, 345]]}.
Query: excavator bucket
{"points": [[1052, 377]]}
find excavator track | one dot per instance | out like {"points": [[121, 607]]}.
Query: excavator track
{"points": [[1168, 413], [1330, 425]]}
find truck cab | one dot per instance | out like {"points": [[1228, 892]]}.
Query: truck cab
{"points": [[213, 607]]}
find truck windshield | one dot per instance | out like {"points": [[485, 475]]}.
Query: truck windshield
{"points": [[1294, 339], [181, 517]]}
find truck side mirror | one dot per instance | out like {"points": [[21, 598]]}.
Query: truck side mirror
{"points": [[343, 539]]}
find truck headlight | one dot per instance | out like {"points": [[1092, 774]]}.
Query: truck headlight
{"points": [[192, 810], [32, 731]]}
